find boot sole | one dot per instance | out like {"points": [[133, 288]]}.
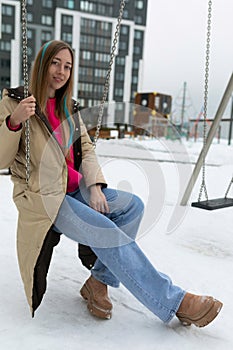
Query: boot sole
{"points": [[94, 309], [203, 321]]}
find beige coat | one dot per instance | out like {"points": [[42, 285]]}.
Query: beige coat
{"points": [[39, 202]]}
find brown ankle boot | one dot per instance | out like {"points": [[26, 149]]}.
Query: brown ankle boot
{"points": [[96, 294], [198, 310]]}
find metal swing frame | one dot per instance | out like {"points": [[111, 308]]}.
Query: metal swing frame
{"points": [[217, 203], [26, 79]]}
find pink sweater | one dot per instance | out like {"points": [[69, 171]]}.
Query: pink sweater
{"points": [[74, 176]]}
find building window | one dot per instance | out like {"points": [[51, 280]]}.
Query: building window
{"points": [[87, 6], [47, 3], [126, 14], [104, 10], [138, 34], [139, 4], [69, 4], [124, 30], [30, 17], [137, 50], [86, 87], [119, 92], [120, 76], [87, 39], [7, 10], [101, 9], [86, 55], [100, 73], [5, 63], [104, 43], [105, 26], [88, 23], [96, 102], [5, 45], [67, 20], [7, 28], [85, 71], [135, 65], [122, 45], [29, 34], [30, 2], [102, 57], [67, 37], [46, 36], [98, 89], [46, 20], [88, 26], [138, 19], [120, 60], [5, 81], [29, 51], [108, 2], [90, 103], [135, 79]]}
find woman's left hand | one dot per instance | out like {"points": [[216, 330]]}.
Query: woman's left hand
{"points": [[98, 200]]}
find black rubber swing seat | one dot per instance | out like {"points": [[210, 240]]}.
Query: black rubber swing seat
{"points": [[212, 204]]}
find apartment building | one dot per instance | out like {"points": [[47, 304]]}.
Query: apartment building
{"points": [[89, 27]]}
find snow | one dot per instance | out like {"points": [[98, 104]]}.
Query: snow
{"points": [[193, 246]]}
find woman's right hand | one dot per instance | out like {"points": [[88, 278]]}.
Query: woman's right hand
{"points": [[25, 109]]}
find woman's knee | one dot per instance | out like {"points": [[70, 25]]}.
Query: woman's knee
{"points": [[133, 201], [124, 201]]}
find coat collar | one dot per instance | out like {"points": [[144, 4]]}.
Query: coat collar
{"points": [[16, 93]]}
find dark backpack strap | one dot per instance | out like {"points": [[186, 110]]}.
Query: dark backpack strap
{"points": [[77, 145]]}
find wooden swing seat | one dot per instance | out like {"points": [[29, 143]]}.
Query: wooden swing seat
{"points": [[212, 204]]}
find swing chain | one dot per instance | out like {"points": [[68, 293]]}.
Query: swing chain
{"points": [[206, 90], [108, 75], [229, 186], [26, 85]]}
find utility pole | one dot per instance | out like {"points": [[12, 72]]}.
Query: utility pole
{"points": [[183, 105]]}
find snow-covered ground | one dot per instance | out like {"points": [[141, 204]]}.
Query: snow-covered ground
{"points": [[193, 246]]}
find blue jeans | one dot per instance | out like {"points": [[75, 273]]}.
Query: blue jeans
{"points": [[112, 238]]}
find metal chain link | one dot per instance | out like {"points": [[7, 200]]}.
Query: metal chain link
{"points": [[206, 90], [26, 84], [108, 75]]}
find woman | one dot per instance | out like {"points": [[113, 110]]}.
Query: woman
{"points": [[67, 193]]}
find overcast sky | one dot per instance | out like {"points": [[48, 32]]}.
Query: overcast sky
{"points": [[175, 49]]}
